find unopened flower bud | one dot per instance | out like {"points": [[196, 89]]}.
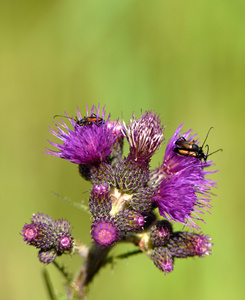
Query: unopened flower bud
{"points": [[184, 244], [100, 201], [160, 233], [62, 225], [47, 257], [162, 259], [129, 220], [42, 218]]}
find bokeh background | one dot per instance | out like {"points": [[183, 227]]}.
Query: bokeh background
{"points": [[183, 59]]}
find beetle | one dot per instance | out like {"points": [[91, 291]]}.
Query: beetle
{"points": [[85, 120], [189, 148], [89, 120]]}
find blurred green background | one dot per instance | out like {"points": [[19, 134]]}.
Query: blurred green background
{"points": [[183, 59]]}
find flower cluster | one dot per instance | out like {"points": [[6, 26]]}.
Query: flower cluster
{"points": [[53, 238], [162, 245], [126, 191]]}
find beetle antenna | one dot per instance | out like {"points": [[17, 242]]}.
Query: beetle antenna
{"points": [[207, 150], [206, 136], [61, 116], [215, 152]]}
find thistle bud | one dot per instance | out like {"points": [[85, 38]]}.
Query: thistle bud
{"points": [[160, 233], [63, 243], [129, 220], [47, 257], [162, 259], [184, 244], [100, 201]]}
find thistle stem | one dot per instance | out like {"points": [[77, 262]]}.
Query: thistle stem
{"points": [[97, 258]]}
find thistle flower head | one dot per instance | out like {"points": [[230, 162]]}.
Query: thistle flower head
{"points": [[39, 234], [183, 190], [29, 232], [116, 129], [172, 162], [144, 136], [88, 144], [104, 231], [63, 242], [180, 197]]}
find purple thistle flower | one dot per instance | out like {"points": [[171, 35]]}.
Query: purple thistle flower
{"points": [[40, 233], [66, 242], [183, 189], [117, 129], [89, 144], [63, 242], [173, 163], [144, 136], [177, 200], [29, 232], [104, 231], [43, 239]]}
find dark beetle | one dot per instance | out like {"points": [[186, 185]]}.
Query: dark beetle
{"points": [[189, 148]]}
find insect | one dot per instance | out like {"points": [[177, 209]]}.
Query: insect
{"points": [[89, 120], [93, 119], [189, 148]]}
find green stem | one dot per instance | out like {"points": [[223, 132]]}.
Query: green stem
{"points": [[49, 285], [96, 259], [63, 272]]}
